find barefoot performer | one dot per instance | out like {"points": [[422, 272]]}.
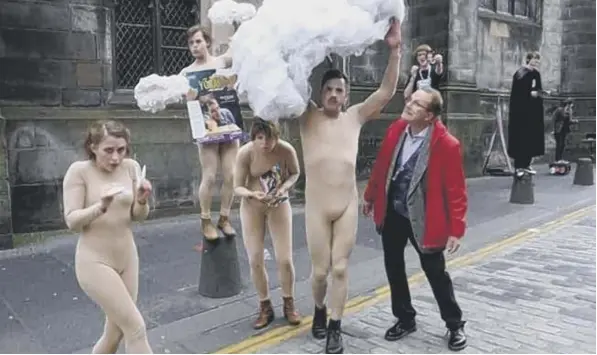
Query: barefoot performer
{"points": [[102, 196]]}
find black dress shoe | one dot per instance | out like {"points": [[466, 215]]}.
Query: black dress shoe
{"points": [[400, 330], [333, 343], [319, 326], [457, 339]]}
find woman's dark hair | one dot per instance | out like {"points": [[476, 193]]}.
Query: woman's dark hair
{"points": [[98, 130], [268, 128], [532, 55]]}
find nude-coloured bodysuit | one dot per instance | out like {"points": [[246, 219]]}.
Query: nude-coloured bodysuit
{"points": [[253, 166], [213, 155], [106, 259], [330, 148]]}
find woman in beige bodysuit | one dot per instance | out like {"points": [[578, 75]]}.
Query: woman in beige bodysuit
{"points": [[266, 168], [212, 155], [102, 196]]}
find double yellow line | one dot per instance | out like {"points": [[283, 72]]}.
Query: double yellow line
{"points": [[280, 334]]}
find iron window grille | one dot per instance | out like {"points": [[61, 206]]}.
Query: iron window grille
{"points": [[531, 9], [150, 37]]}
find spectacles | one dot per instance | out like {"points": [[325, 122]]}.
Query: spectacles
{"points": [[416, 103]]}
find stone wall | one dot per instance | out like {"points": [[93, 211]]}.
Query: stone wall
{"points": [[54, 53], [428, 23], [55, 64], [459, 88], [5, 206], [485, 50], [578, 46], [578, 64], [42, 143]]}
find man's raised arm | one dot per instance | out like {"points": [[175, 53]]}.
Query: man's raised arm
{"points": [[373, 105], [226, 57]]}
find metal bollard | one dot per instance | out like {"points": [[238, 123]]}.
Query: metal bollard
{"points": [[220, 271], [584, 174], [522, 191]]}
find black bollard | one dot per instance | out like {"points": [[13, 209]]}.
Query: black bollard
{"points": [[220, 271], [584, 175], [522, 191]]}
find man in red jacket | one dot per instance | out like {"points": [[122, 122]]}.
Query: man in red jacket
{"points": [[417, 193]]}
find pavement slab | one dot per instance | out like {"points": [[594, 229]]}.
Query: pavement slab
{"points": [[534, 297]]}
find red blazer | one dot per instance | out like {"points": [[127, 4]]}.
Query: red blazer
{"points": [[446, 198]]}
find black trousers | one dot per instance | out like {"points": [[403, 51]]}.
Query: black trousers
{"points": [[396, 232], [522, 162], [560, 144]]}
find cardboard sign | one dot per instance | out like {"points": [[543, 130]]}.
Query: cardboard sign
{"points": [[196, 120]]}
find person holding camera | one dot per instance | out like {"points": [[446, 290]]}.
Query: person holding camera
{"points": [[427, 73]]}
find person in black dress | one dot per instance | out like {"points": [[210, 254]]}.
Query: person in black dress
{"points": [[526, 129]]}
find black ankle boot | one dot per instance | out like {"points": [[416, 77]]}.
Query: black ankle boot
{"points": [[333, 343], [318, 328], [456, 339]]}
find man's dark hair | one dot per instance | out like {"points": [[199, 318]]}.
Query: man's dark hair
{"points": [[204, 32], [332, 74]]}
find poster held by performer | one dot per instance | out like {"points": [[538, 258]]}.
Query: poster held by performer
{"points": [[218, 98]]}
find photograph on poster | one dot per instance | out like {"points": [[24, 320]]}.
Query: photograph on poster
{"points": [[219, 104]]}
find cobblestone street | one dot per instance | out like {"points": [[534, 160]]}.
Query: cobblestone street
{"points": [[537, 296]]}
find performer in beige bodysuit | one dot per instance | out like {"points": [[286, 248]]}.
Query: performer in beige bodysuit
{"points": [[266, 168], [330, 143], [212, 155], [102, 196]]}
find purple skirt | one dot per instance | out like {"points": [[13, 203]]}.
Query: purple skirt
{"points": [[223, 138]]}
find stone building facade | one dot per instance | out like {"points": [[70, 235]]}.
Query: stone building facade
{"points": [[64, 63]]}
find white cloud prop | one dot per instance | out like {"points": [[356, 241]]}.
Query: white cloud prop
{"points": [[275, 51], [229, 12], [276, 48], [154, 92]]}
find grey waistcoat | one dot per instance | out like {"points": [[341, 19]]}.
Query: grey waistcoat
{"points": [[415, 195], [401, 179]]}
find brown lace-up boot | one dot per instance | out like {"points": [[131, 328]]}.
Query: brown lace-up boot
{"points": [[225, 226], [290, 312], [266, 315], [208, 229]]}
